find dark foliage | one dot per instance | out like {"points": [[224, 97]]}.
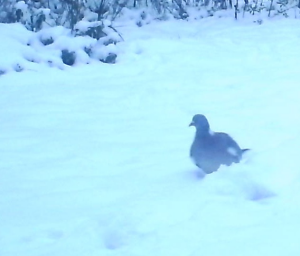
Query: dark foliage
{"points": [[68, 57], [47, 41], [110, 59], [96, 32]]}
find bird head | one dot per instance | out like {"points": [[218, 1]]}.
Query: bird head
{"points": [[200, 122]]}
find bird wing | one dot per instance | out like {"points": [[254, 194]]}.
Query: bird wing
{"points": [[229, 150]]}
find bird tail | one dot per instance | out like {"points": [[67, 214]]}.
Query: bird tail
{"points": [[245, 150]]}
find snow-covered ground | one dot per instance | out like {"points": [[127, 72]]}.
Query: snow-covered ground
{"points": [[94, 158]]}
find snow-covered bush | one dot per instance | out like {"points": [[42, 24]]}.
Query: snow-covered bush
{"points": [[107, 37], [43, 13], [36, 15], [8, 14], [56, 47], [77, 46], [187, 9], [76, 30]]}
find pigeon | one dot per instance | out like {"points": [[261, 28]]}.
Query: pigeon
{"points": [[210, 149]]}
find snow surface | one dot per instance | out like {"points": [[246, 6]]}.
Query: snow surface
{"points": [[94, 158]]}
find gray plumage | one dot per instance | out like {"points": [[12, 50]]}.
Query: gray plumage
{"points": [[212, 149]]}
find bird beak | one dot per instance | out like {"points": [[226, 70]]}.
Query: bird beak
{"points": [[191, 124]]}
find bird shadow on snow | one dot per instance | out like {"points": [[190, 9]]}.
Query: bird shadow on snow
{"points": [[197, 174], [258, 192], [247, 186]]}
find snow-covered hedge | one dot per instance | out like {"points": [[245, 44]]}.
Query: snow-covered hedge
{"points": [[66, 31], [55, 47], [36, 15]]}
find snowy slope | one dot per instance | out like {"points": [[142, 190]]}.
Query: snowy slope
{"points": [[94, 159]]}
